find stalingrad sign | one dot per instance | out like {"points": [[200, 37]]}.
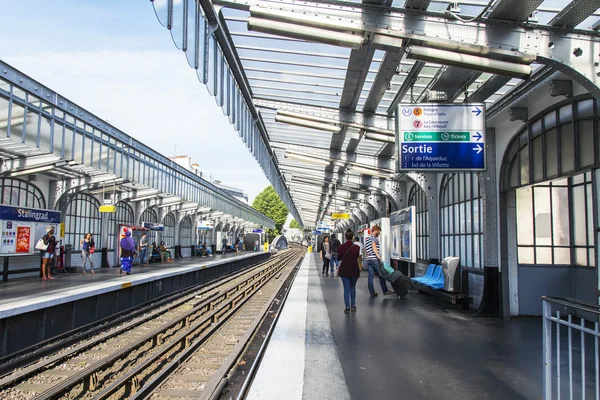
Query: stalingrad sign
{"points": [[440, 137]]}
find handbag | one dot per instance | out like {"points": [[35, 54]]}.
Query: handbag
{"points": [[92, 249], [40, 245]]}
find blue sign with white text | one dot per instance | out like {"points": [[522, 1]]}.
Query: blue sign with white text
{"points": [[29, 214], [440, 137], [257, 231], [436, 156]]}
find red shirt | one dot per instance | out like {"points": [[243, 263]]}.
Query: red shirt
{"points": [[349, 265]]}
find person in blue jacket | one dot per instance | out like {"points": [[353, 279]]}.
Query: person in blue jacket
{"points": [[127, 253]]}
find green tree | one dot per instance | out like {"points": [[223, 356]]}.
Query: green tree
{"points": [[269, 203], [294, 224]]}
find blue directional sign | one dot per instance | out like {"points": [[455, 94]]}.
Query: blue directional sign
{"points": [[440, 137]]}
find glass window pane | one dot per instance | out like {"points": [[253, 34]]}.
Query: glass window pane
{"points": [[550, 120], [543, 230], [581, 256], [524, 155], [543, 255], [538, 159], [566, 113], [477, 251], [586, 143], [585, 109], [469, 251], [551, 153], [524, 216], [562, 256], [579, 227], [591, 257], [31, 129], [476, 216], [590, 213], [468, 217], [567, 148], [560, 216], [463, 218], [536, 128], [526, 255]]}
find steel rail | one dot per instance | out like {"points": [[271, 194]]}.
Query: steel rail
{"points": [[33, 353], [89, 376], [188, 348]]}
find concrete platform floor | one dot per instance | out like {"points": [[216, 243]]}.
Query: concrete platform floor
{"points": [[413, 349]]}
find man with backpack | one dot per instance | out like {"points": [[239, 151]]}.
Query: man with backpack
{"points": [[335, 245]]}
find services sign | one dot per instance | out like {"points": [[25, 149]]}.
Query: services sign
{"points": [[440, 137]]}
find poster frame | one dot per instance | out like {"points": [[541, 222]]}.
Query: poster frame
{"points": [[403, 225]]}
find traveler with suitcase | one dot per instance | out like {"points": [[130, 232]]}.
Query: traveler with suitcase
{"points": [[394, 277]]}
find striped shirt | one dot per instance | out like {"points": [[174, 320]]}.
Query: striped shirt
{"points": [[369, 248]]}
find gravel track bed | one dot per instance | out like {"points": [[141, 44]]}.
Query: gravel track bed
{"points": [[102, 350]]}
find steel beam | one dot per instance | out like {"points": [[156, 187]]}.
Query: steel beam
{"points": [[488, 88], [412, 76], [514, 10], [575, 13], [387, 70], [454, 81]]}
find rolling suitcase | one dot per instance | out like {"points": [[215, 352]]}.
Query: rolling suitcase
{"points": [[400, 287]]}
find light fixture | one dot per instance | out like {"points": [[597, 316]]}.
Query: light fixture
{"points": [[298, 157], [368, 171], [173, 203], [377, 137], [146, 197], [106, 189], [305, 33], [468, 62], [308, 123], [300, 116], [32, 170]]}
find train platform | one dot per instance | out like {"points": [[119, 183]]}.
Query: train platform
{"points": [[393, 348], [72, 300]]}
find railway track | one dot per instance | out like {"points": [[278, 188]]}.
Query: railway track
{"points": [[132, 357]]}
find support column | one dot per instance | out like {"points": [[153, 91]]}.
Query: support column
{"points": [[378, 203], [397, 189], [490, 302]]}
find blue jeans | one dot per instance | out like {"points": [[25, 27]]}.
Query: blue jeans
{"points": [[349, 291], [374, 270], [143, 255], [333, 263]]}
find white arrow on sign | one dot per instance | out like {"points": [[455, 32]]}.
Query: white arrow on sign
{"points": [[478, 148]]}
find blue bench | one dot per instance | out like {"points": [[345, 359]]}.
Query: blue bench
{"points": [[433, 283]]}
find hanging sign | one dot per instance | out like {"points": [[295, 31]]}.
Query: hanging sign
{"points": [[404, 235], [257, 231], [108, 209], [440, 137], [340, 215], [153, 226], [204, 225]]}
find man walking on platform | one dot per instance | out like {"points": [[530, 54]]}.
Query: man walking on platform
{"points": [[335, 245], [143, 250], [373, 251]]}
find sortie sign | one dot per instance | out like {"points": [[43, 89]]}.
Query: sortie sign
{"points": [[440, 137]]}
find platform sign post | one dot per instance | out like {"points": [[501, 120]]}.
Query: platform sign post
{"points": [[434, 137]]}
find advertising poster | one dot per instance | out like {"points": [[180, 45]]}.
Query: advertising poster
{"points": [[9, 237], [23, 239], [404, 234]]}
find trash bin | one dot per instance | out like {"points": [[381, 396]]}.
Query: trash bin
{"points": [[67, 257], [451, 270], [214, 249]]}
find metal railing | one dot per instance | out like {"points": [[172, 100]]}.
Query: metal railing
{"points": [[571, 352]]}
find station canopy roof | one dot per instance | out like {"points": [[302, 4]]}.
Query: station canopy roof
{"points": [[324, 77]]}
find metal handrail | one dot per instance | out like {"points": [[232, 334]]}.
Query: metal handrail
{"points": [[573, 303]]}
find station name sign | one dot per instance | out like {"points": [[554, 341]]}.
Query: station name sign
{"points": [[440, 137], [28, 214]]}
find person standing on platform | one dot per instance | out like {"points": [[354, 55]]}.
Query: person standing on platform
{"points": [[335, 245], [362, 248], [373, 251], [87, 249], [127, 253], [224, 244], [143, 250], [326, 255], [349, 270], [48, 254]]}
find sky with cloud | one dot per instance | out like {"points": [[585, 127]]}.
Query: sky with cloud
{"points": [[114, 58]]}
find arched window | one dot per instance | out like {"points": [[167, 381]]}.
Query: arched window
{"points": [[82, 216], [149, 215], [185, 231], [168, 236], [549, 163], [124, 215], [460, 219], [17, 192], [417, 198]]}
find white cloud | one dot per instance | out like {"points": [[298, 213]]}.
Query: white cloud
{"points": [[155, 97]]}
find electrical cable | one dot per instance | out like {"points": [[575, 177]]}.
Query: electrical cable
{"points": [[458, 17]]}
